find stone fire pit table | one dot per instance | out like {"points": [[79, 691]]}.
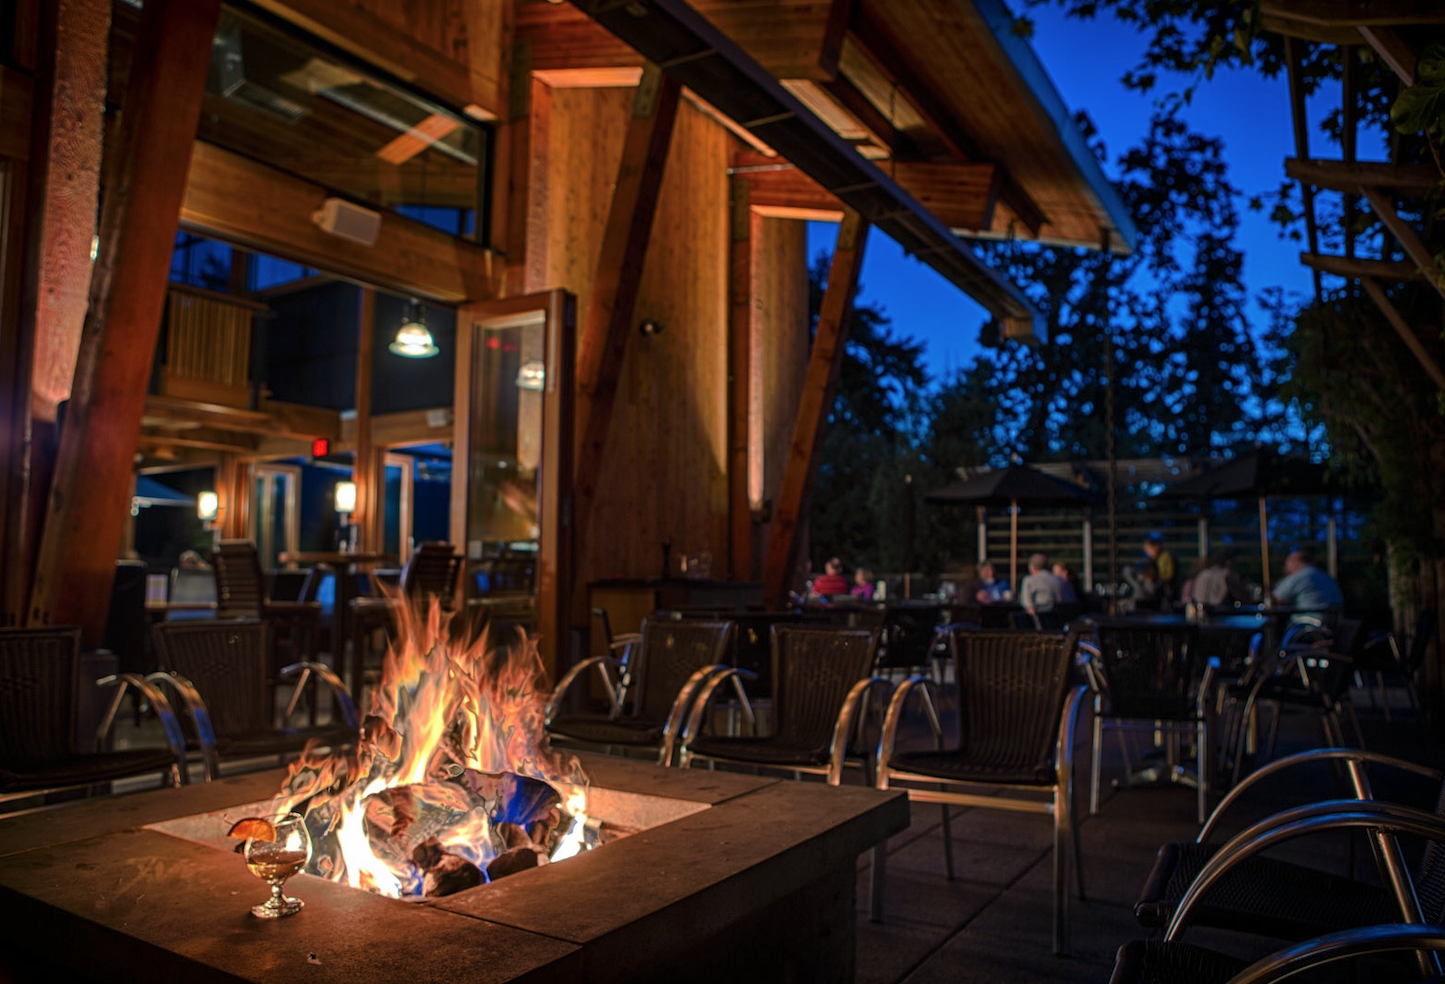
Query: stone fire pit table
{"points": [[758, 885]]}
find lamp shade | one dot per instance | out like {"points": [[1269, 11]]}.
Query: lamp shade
{"points": [[345, 497], [414, 339], [208, 506]]}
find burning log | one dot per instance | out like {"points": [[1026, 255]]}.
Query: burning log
{"points": [[446, 873]]}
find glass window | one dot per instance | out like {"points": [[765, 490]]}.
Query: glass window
{"points": [[308, 110]]}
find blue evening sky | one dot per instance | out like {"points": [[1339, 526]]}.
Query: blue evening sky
{"points": [[1085, 60]]}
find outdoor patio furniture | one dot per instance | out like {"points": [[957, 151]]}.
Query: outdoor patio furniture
{"points": [[906, 639], [241, 593], [1386, 658], [1266, 896], [38, 700], [821, 685], [1415, 897], [666, 670], [1155, 677], [1016, 721], [219, 668], [430, 574]]}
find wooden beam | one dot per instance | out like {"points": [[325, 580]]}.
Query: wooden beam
{"points": [[1394, 51], [1408, 179], [607, 324], [868, 115], [243, 201], [829, 343], [1406, 333], [1350, 268], [1357, 13], [1402, 232], [83, 521], [871, 39], [364, 473], [743, 228], [962, 196]]}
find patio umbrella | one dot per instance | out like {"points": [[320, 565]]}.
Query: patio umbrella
{"points": [[1259, 474], [1009, 487]]}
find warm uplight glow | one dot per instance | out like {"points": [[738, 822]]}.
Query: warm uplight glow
{"points": [[452, 771], [208, 506], [346, 497]]}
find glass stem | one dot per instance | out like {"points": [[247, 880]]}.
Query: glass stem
{"points": [[276, 887]]}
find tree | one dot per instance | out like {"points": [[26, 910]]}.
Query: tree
{"points": [[858, 498]]}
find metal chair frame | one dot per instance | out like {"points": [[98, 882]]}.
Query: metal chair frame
{"points": [[1059, 797]]}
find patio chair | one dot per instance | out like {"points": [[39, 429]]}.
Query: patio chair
{"points": [[1385, 658], [241, 593], [1153, 677], [821, 685], [1263, 895], [1414, 898], [430, 573], [219, 668], [666, 670], [39, 752], [1016, 721], [906, 640]]}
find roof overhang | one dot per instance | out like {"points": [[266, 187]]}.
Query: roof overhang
{"points": [[691, 49]]}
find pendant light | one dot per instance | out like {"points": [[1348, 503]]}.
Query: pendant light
{"points": [[413, 339]]}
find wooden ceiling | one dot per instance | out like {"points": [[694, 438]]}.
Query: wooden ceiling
{"points": [[939, 92]]}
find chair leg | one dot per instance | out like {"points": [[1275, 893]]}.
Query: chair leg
{"points": [[877, 871], [1097, 753], [1062, 837], [1204, 762], [947, 842], [1278, 712]]}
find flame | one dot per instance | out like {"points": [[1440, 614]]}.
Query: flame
{"points": [[451, 752]]}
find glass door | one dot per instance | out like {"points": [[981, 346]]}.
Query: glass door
{"points": [[514, 426], [396, 484], [276, 517]]}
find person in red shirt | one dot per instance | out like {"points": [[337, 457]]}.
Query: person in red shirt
{"points": [[831, 581]]}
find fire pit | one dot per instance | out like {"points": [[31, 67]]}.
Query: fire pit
{"points": [[722, 877]]}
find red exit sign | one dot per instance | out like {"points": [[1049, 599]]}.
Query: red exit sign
{"points": [[320, 447]]}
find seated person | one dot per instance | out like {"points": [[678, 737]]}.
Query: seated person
{"points": [[1306, 588], [1040, 590], [831, 581], [1217, 583], [862, 584], [1148, 591], [1072, 591], [989, 590]]}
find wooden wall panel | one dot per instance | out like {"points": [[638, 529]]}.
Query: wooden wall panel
{"points": [[665, 471], [781, 355]]}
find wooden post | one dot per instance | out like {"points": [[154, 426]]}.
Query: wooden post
{"points": [[1264, 543], [1407, 334], [608, 322], [363, 457], [818, 388], [146, 179], [740, 329]]}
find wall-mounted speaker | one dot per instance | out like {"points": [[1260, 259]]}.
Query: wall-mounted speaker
{"points": [[348, 221]]}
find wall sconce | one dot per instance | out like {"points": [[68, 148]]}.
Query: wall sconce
{"points": [[650, 327], [346, 498], [532, 375], [414, 339], [208, 506]]}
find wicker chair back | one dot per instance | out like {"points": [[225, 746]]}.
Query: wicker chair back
{"points": [[1011, 690], [37, 670], [1150, 670], [671, 652], [227, 662], [813, 670]]}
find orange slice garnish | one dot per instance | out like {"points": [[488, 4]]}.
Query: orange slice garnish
{"points": [[253, 828]]}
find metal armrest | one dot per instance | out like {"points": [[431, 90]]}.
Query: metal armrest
{"points": [[1068, 724], [1386, 938], [554, 703], [1380, 818], [309, 670], [1354, 756], [691, 701], [199, 716], [888, 737], [699, 690], [175, 738], [847, 714]]}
